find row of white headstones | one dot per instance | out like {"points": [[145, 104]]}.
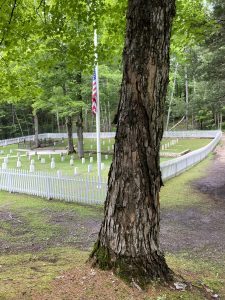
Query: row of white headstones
{"points": [[52, 164], [169, 144]]}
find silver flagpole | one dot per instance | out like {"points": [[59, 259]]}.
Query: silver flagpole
{"points": [[97, 110]]}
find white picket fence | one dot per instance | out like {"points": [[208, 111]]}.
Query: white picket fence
{"points": [[92, 135], [82, 189], [178, 165], [87, 189]]}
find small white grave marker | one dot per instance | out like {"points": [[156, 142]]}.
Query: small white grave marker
{"points": [[89, 168], [83, 160], [59, 173], [4, 166], [106, 156], [91, 159], [76, 171], [53, 163], [18, 164], [102, 166], [62, 158], [42, 160], [71, 162], [32, 168]]}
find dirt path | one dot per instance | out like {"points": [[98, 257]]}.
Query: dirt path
{"points": [[200, 230], [196, 230], [213, 184]]}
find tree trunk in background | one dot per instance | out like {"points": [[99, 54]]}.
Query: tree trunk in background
{"points": [[86, 127], [109, 117], [79, 122], [57, 120], [36, 141], [80, 141], [128, 240], [171, 97], [69, 128], [18, 121]]}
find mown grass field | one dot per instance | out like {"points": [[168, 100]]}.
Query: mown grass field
{"points": [[106, 144], [44, 246]]}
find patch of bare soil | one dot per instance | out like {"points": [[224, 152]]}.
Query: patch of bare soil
{"points": [[198, 231], [77, 231], [201, 229], [69, 229], [91, 284], [213, 183]]}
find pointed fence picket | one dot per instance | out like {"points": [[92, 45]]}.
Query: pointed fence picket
{"points": [[87, 189], [81, 189]]}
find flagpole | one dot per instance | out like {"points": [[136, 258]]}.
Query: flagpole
{"points": [[97, 110]]}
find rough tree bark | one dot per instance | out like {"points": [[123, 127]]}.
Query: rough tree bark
{"points": [[128, 240], [69, 127]]}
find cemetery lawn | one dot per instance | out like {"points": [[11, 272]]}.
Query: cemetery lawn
{"points": [[44, 246], [67, 169]]}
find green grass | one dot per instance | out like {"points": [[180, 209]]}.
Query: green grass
{"points": [[65, 167], [177, 191], [186, 144], [25, 271]]}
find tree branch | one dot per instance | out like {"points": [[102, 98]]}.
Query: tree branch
{"points": [[9, 22], [3, 4], [40, 4]]}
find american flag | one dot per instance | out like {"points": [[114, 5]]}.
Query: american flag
{"points": [[94, 94]]}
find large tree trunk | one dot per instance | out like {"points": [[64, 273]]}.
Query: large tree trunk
{"points": [[128, 240], [69, 127], [80, 141], [36, 140]]}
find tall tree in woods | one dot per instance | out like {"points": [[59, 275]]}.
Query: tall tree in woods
{"points": [[128, 240]]}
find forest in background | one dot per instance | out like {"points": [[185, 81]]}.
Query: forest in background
{"points": [[47, 62]]}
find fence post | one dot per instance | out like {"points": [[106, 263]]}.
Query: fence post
{"points": [[48, 187]]}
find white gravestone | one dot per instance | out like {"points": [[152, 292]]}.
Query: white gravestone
{"points": [[89, 168]]}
